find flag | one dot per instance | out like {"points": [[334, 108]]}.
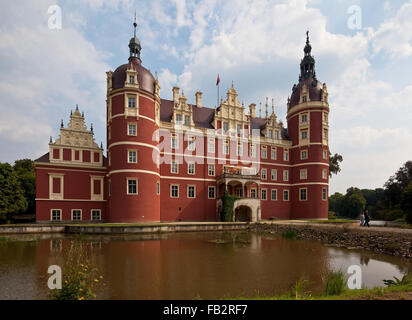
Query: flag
{"points": [[218, 79]]}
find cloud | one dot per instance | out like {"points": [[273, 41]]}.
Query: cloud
{"points": [[44, 74], [394, 36]]}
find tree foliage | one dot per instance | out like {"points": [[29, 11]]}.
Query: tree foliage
{"points": [[12, 198], [334, 164], [406, 202], [27, 177]]}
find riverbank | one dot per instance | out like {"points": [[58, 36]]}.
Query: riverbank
{"points": [[393, 241]]}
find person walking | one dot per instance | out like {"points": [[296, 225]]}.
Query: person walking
{"points": [[367, 218], [362, 219]]}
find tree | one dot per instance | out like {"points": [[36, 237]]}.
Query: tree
{"points": [[406, 202], [334, 164], [354, 202], [27, 177], [336, 203], [396, 184], [11, 194]]}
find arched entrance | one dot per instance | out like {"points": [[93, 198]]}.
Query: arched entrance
{"points": [[243, 213]]}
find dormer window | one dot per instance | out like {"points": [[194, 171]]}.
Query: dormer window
{"points": [[277, 135], [225, 126], [304, 99], [178, 119], [270, 133], [187, 120], [132, 102], [131, 78]]}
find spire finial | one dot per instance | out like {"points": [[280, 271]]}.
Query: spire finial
{"points": [[134, 23], [77, 107], [260, 109], [91, 127], [273, 106], [50, 141], [61, 124], [307, 36], [233, 86], [266, 107], [101, 145]]}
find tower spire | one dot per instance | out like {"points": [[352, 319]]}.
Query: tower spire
{"points": [[307, 64], [134, 43]]}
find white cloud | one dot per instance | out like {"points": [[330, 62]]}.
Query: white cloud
{"points": [[394, 36]]}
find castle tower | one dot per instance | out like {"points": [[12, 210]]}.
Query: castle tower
{"points": [[307, 118], [132, 119]]}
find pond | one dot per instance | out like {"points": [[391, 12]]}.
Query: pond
{"points": [[207, 265]]}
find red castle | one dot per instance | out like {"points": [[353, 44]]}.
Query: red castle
{"points": [[169, 160]]}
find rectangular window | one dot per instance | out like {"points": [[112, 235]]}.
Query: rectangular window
{"points": [[324, 194], [304, 118], [274, 174], [303, 174], [131, 79], [239, 192], [174, 141], [131, 186], [96, 215], [276, 135], [325, 155], [178, 119], [239, 150], [191, 191], [304, 154], [252, 150], [238, 129], [132, 156], [304, 134], [304, 99], [191, 168], [264, 153], [187, 120], [132, 102], [191, 144], [274, 194], [225, 126], [264, 194], [303, 194], [211, 192], [211, 169], [132, 129], [325, 134], [270, 134], [285, 175], [285, 195], [324, 173], [225, 147], [174, 191], [211, 145], [157, 188], [174, 167], [273, 153], [56, 215], [286, 155], [76, 215], [253, 193], [263, 174]]}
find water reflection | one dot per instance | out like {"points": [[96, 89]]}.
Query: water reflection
{"points": [[186, 265]]}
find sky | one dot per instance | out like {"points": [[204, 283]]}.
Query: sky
{"points": [[363, 51]]}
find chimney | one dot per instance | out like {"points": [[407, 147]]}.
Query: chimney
{"points": [[252, 110], [176, 94], [198, 99]]}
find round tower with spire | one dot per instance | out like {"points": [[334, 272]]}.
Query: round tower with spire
{"points": [[132, 119], [307, 117]]}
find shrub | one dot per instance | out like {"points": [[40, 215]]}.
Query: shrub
{"points": [[289, 234], [80, 278], [228, 202], [332, 215], [406, 280], [335, 283]]}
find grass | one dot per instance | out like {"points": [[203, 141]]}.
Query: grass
{"points": [[4, 239], [335, 283]]}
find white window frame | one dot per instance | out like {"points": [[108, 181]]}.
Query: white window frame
{"points": [[95, 210], [285, 175], [276, 194], [214, 192], [326, 194], [131, 158], [60, 214], [129, 125], [273, 153], [303, 174], [172, 164], [325, 174], [274, 174], [300, 194], [158, 188], [264, 152], [211, 170], [188, 191], [171, 191], [264, 191], [301, 154], [211, 145], [72, 214], [189, 166], [127, 186], [285, 155], [288, 193], [174, 141], [263, 174]]}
